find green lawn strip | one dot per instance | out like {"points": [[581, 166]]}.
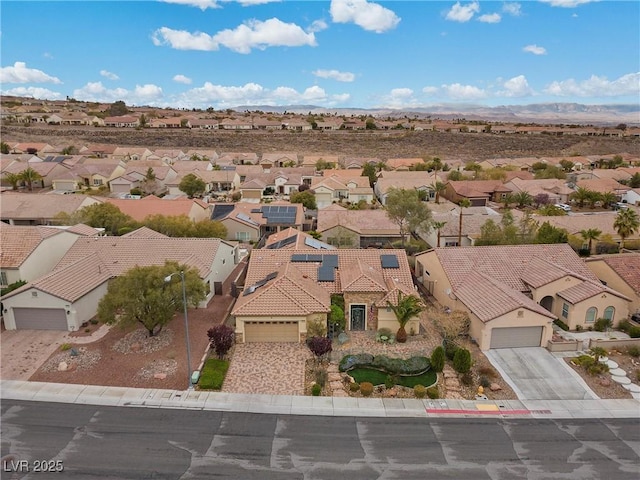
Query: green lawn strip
{"points": [[376, 377], [213, 373]]}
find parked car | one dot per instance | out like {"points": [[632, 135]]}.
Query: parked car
{"points": [[620, 206], [563, 206]]}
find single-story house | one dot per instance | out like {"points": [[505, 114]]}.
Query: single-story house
{"points": [[68, 296], [620, 272], [513, 293], [285, 290], [356, 228], [248, 222], [139, 209], [478, 192], [39, 209]]}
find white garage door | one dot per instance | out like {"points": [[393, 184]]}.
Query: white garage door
{"points": [[40, 318], [516, 337], [271, 332]]}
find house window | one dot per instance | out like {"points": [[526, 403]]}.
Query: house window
{"points": [[565, 310], [97, 181], [591, 315], [3, 278], [609, 312], [242, 236], [451, 243]]}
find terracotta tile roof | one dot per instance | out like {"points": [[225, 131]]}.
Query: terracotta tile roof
{"points": [[585, 290], [25, 205], [152, 205], [360, 277], [393, 287], [508, 263], [488, 298], [356, 220], [18, 242], [82, 229], [539, 272], [263, 261], [291, 292], [478, 187], [627, 266], [144, 232], [120, 254], [73, 281], [297, 243], [602, 185], [575, 223]]}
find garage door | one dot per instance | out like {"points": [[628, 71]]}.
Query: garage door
{"points": [[516, 337], [40, 319], [271, 332]]}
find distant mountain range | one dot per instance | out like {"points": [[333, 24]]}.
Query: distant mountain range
{"points": [[555, 113]]}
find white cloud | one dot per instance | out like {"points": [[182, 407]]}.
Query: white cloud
{"points": [[597, 87], [516, 87], [109, 75], [401, 92], [142, 94], [182, 79], [335, 75], [247, 3], [399, 98], [567, 3], [317, 26], [456, 91], [201, 4], [33, 92], [270, 33], [535, 49], [512, 9], [183, 40], [19, 73], [369, 16], [490, 18], [48, 55], [463, 13]]}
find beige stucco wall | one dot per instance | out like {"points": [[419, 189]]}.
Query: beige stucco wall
{"points": [[251, 196], [552, 288], [344, 233], [324, 197], [46, 255], [302, 322], [233, 227], [387, 319], [481, 332], [435, 280], [578, 312], [604, 272]]}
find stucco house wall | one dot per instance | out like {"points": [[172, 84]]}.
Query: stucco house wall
{"points": [[578, 312], [606, 273], [235, 228], [481, 332]]}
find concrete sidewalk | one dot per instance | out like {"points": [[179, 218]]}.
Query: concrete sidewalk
{"points": [[327, 406]]}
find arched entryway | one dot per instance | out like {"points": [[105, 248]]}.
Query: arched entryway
{"points": [[547, 303]]}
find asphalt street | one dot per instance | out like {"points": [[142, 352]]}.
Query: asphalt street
{"points": [[95, 442]]}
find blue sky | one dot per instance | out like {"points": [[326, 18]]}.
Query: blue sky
{"points": [[338, 53]]}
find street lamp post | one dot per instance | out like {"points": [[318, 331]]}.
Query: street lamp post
{"points": [[167, 279]]}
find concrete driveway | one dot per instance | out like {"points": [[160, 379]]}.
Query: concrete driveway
{"points": [[24, 351], [535, 374]]}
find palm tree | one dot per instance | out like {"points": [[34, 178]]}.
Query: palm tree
{"points": [[581, 195], [439, 188], [607, 198], [522, 199], [464, 203], [626, 223], [408, 306], [29, 176], [438, 226], [12, 178], [507, 199], [590, 234]]}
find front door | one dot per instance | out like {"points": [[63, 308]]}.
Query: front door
{"points": [[357, 317]]}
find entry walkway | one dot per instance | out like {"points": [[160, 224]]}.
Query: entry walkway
{"points": [[305, 405]]}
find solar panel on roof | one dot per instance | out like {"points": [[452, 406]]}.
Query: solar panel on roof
{"points": [[298, 257], [312, 257], [282, 243], [326, 273], [330, 260], [389, 261], [221, 211], [256, 210], [247, 218], [317, 244], [271, 276]]}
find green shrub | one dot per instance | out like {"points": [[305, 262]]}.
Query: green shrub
{"points": [[484, 382], [597, 368], [579, 328], [385, 335], [316, 390], [420, 391], [634, 332], [94, 321], [437, 359], [602, 324], [634, 351], [624, 326], [65, 346], [213, 373], [462, 360], [638, 375], [561, 324], [389, 382], [450, 350], [433, 392], [366, 388], [584, 360], [354, 387]]}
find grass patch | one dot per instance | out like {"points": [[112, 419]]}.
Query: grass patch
{"points": [[376, 377], [213, 373]]}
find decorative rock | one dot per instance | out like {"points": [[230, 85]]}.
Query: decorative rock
{"points": [[334, 377], [135, 347], [621, 380], [159, 376], [63, 366], [604, 359], [392, 392], [611, 364], [632, 387], [618, 372], [605, 382], [494, 387]]}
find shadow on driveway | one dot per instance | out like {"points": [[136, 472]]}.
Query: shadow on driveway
{"points": [[535, 374]]}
